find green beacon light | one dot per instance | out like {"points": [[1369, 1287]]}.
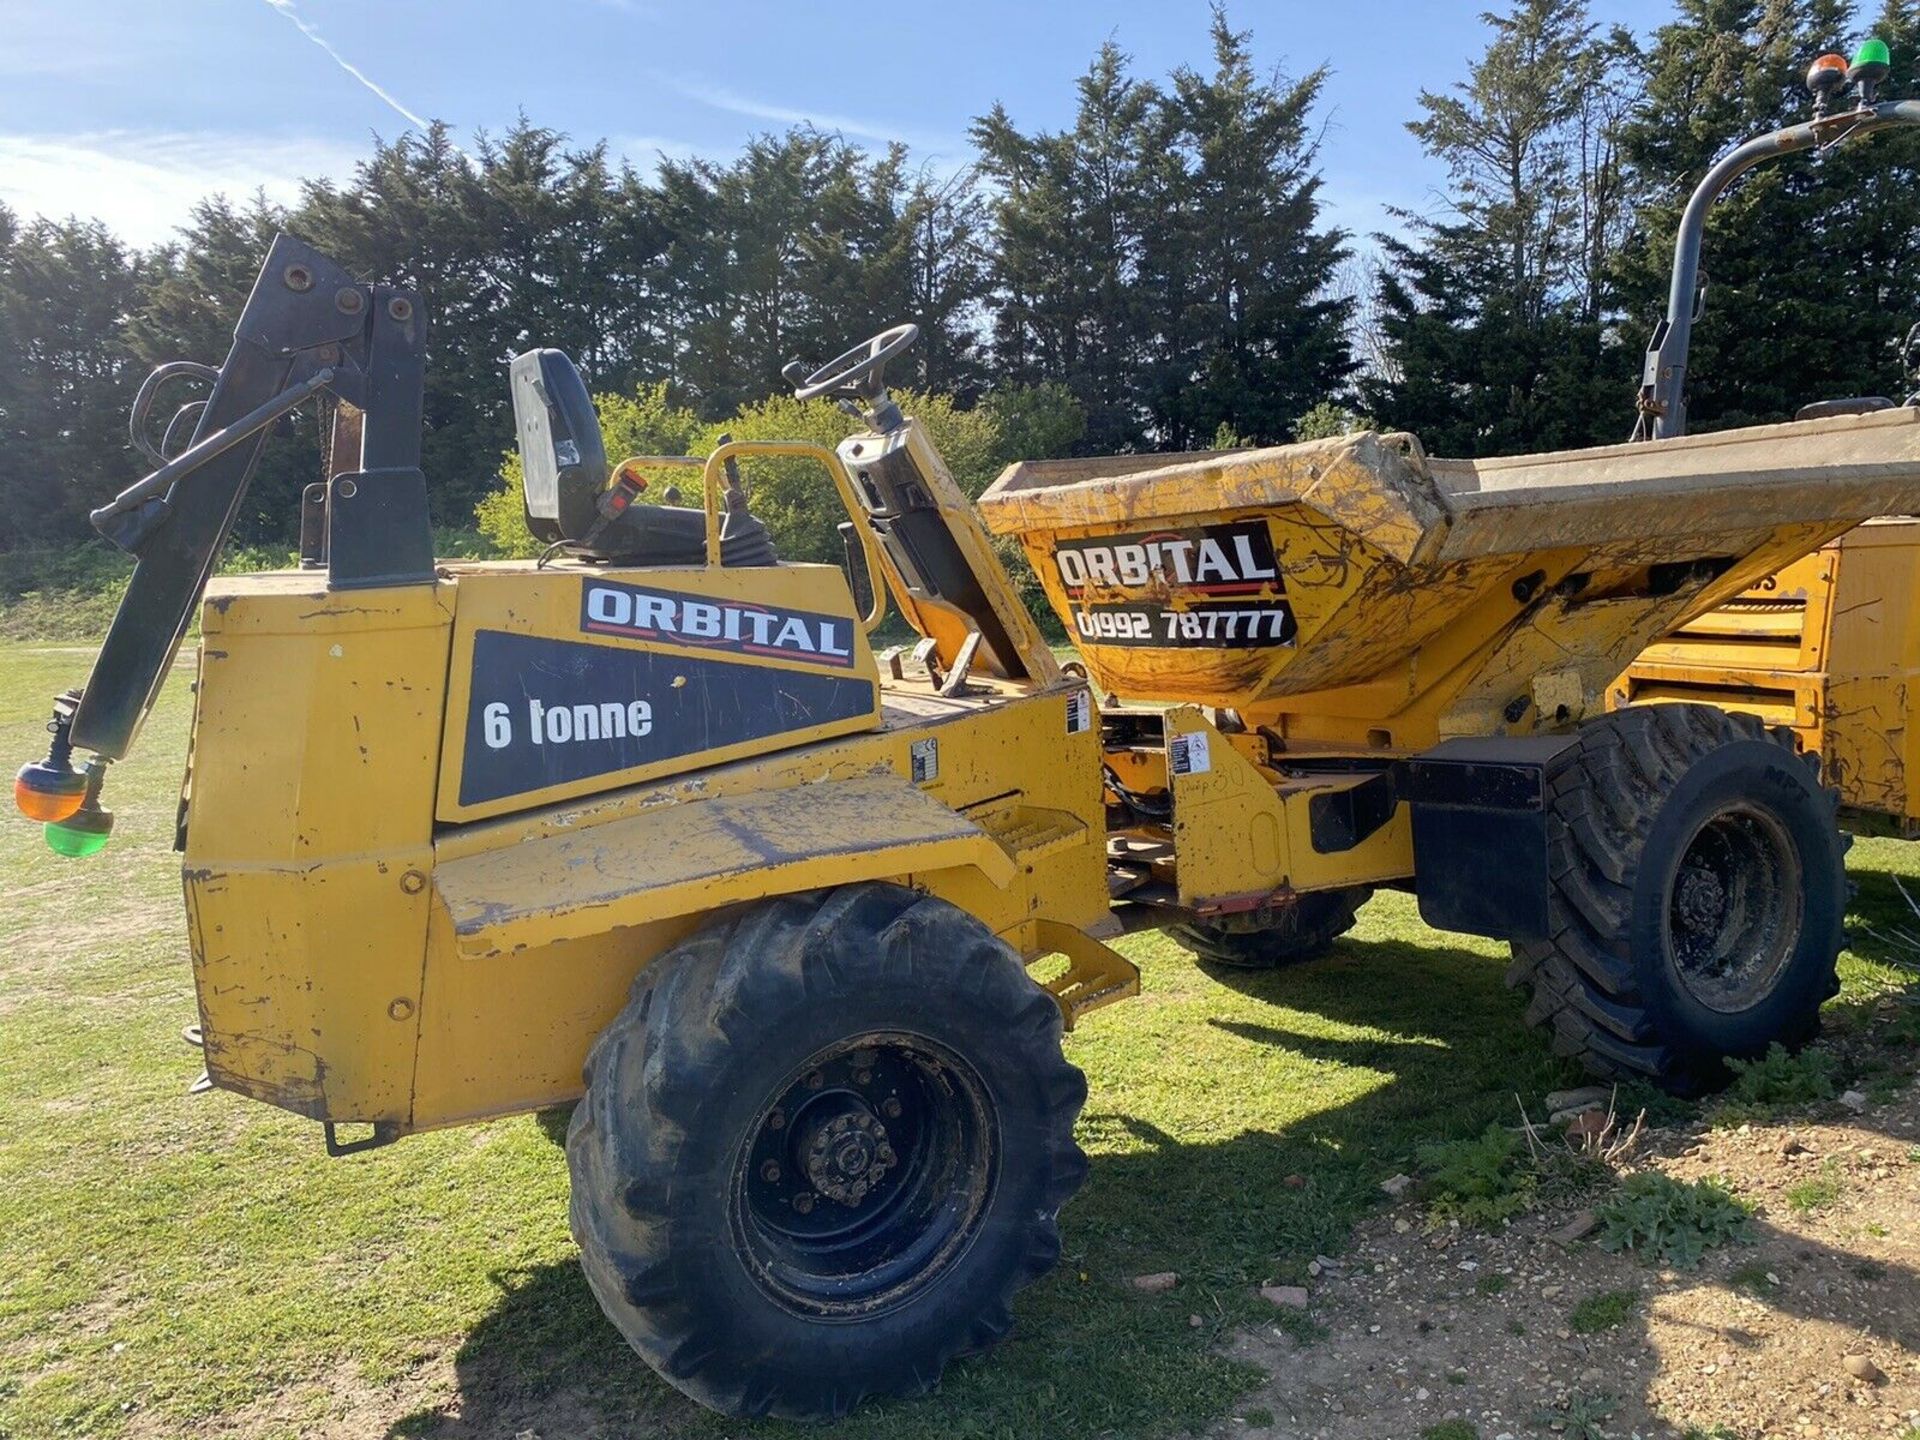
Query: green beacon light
{"points": [[84, 832], [79, 837], [1871, 64]]}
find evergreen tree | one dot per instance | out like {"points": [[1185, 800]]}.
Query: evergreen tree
{"points": [[66, 293], [1493, 317], [1252, 330], [1070, 220]]}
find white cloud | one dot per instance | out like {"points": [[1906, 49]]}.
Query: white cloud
{"points": [[143, 185]]}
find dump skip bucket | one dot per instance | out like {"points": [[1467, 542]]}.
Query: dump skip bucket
{"points": [[1248, 578]]}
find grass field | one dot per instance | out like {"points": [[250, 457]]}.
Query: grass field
{"points": [[174, 1265]]}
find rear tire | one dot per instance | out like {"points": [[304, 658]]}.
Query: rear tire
{"points": [[1299, 931], [1698, 896], [821, 1148]]}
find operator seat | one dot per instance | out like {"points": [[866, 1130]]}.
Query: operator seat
{"points": [[563, 461]]}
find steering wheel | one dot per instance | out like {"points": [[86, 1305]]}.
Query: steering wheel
{"points": [[857, 372]]}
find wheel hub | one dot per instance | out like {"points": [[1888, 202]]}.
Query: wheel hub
{"points": [[1700, 899], [848, 1155], [866, 1175], [1734, 910]]}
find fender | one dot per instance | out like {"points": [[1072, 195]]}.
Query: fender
{"points": [[692, 857]]}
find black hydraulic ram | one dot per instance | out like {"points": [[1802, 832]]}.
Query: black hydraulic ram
{"points": [[1662, 400]]}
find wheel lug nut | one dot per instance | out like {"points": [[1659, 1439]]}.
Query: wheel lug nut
{"points": [[777, 1120], [803, 1202], [890, 1107], [863, 1077], [770, 1171], [886, 1154], [816, 1080]]}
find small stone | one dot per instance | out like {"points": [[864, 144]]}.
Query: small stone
{"points": [[1328, 1264], [1156, 1283], [1861, 1368], [1792, 1145], [1401, 1227], [1289, 1297], [1397, 1185], [1195, 1321], [1547, 1292], [1295, 1182], [1854, 1100], [1579, 1099], [1578, 1228]]}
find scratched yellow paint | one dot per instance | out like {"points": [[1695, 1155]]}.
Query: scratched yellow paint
{"points": [[1829, 645], [367, 949]]}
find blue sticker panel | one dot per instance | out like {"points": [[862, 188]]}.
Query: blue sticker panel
{"points": [[550, 712]]}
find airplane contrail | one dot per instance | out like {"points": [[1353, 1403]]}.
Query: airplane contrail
{"points": [[286, 8]]}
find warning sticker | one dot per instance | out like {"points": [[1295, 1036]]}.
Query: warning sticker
{"points": [[1189, 755]]}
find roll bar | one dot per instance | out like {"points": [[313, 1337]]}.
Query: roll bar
{"points": [[1662, 401]]}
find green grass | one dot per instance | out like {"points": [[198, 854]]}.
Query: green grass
{"points": [[185, 1265], [1604, 1311], [1816, 1192], [1754, 1278]]}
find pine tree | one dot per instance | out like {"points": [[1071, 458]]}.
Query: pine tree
{"points": [[66, 293], [1251, 331], [1070, 221], [1494, 317]]}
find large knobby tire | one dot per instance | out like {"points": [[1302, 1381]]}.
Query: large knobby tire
{"points": [[821, 1148], [1298, 931], [1698, 896]]}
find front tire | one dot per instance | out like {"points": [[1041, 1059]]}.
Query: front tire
{"points": [[1698, 896], [821, 1148]]}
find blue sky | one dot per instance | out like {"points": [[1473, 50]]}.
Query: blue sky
{"points": [[129, 111]]}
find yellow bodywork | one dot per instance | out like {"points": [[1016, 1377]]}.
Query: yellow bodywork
{"points": [[1828, 645], [377, 940], [1315, 611]]}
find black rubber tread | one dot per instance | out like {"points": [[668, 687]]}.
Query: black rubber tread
{"points": [[1300, 931], [1588, 986], [712, 1026]]}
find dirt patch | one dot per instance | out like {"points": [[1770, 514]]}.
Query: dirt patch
{"points": [[1811, 1330]]}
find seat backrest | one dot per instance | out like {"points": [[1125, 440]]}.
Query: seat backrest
{"points": [[563, 458]]}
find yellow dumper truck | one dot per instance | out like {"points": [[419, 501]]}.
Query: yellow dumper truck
{"points": [[648, 824]]}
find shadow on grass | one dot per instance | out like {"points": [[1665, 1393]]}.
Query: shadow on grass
{"points": [[1423, 1041]]}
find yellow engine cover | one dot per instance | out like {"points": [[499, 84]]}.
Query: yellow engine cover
{"points": [[565, 683]]}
